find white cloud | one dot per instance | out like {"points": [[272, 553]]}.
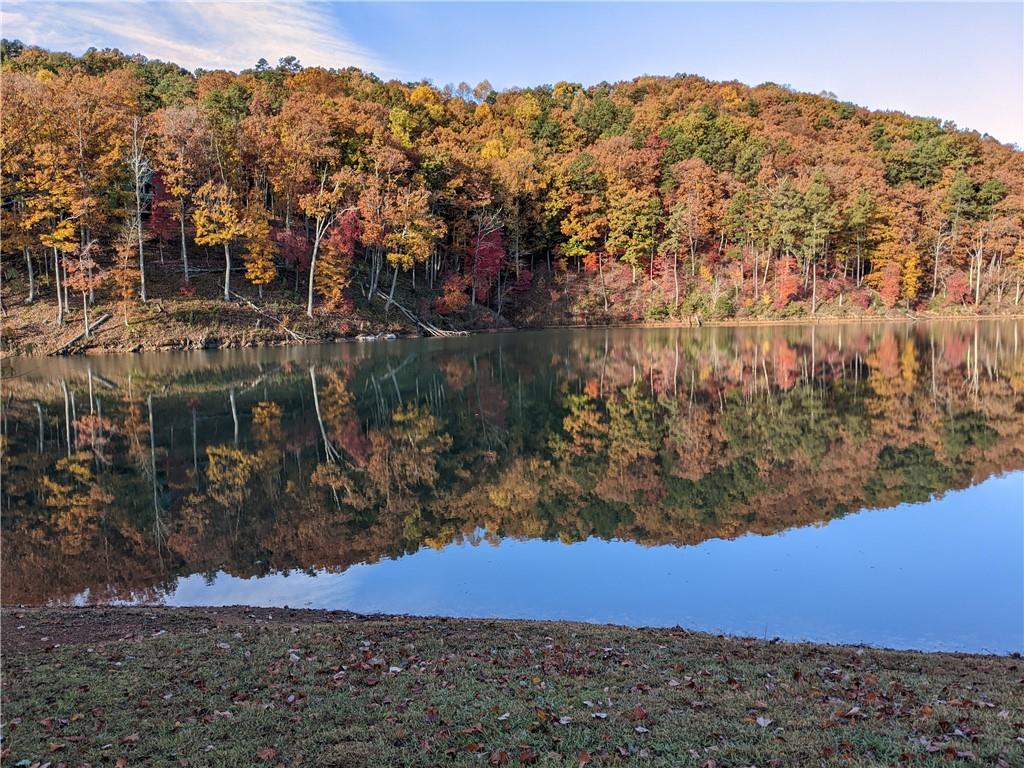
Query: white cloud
{"points": [[212, 34]]}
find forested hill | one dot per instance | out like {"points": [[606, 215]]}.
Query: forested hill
{"points": [[320, 192]]}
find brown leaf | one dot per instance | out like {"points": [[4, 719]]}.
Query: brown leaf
{"points": [[267, 753], [498, 757], [927, 710], [584, 759], [527, 756], [637, 713], [132, 738]]}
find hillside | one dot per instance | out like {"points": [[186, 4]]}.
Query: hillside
{"points": [[135, 188]]}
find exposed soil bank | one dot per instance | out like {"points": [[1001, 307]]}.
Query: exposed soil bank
{"points": [[241, 686], [181, 324]]}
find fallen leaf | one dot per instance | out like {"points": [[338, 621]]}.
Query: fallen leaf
{"points": [[584, 759], [498, 757], [527, 756], [267, 753], [637, 713], [763, 721]]}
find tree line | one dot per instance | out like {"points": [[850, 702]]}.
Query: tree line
{"points": [[708, 197]]}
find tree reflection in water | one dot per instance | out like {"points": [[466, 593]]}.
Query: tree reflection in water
{"points": [[123, 474]]}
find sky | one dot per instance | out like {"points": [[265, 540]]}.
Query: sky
{"points": [[960, 61]]}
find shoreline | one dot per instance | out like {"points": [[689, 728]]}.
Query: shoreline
{"points": [[279, 615], [252, 686], [247, 338]]}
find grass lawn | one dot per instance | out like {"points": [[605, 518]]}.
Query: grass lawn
{"points": [[239, 686]]}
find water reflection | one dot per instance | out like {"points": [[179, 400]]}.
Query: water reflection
{"points": [[181, 477]]}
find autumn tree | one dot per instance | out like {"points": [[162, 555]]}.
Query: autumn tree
{"points": [[84, 276], [179, 150], [328, 201], [260, 246], [217, 222]]}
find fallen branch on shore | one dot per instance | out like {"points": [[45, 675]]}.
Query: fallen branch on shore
{"points": [[92, 327], [430, 328], [294, 334]]}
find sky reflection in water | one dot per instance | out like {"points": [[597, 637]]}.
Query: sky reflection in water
{"points": [[946, 575], [860, 483]]}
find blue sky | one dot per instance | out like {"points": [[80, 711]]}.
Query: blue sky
{"points": [[960, 61]]}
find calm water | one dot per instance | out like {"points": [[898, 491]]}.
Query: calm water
{"points": [[837, 483]]}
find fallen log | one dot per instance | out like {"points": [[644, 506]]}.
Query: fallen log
{"points": [[92, 327], [294, 334], [430, 328]]}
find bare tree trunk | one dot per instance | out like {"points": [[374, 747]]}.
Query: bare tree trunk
{"points": [[391, 293], [184, 250], [935, 265], [140, 168], [600, 269], [31, 277], [312, 273], [85, 312], [227, 272], [64, 282], [814, 289], [977, 284], [56, 276], [675, 278]]}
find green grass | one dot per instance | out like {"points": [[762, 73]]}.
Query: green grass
{"points": [[231, 688]]}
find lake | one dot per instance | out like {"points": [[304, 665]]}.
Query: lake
{"points": [[834, 483]]}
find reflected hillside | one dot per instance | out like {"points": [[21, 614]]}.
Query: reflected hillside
{"points": [[123, 473]]}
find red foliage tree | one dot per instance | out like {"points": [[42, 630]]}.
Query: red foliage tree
{"points": [[488, 254], [335, 271], [453, 296], [889, 285], [787, 283], [162, 224], [523, 281], [957, 288], [295, 250]]}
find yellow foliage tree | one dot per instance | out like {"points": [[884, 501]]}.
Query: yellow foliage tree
{"points": [[217, 223], [260, 248]]}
